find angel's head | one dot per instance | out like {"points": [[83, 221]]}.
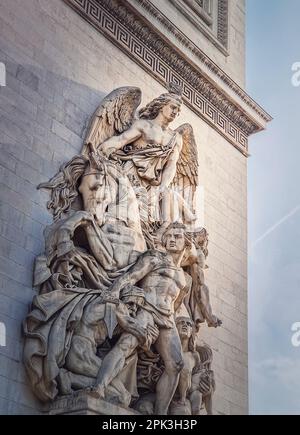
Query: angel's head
{"points": [[169, 105]]}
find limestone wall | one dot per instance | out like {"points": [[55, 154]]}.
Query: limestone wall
{"points": [[58, 69]]}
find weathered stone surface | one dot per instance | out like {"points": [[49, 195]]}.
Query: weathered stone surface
{"points": [[85, 404], [76, 66], [138, 223]]}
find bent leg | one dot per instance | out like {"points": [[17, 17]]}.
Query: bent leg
{"points": [[114, 361], [69, 382], [169, 347]]}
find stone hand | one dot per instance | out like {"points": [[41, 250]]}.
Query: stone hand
{"points": [[215, 322], [116, 289], [81, 217], [140, 333], [107, 150]]}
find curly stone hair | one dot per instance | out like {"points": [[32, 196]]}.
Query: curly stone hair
{"points": [[177, 226], [152, 109]]}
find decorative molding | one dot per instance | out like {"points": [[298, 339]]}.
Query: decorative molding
{"points": [[213, 23], [134, 35], [203, 9], [204, 59], [223, 22]]}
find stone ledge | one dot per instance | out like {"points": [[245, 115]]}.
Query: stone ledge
{"points": [[235, 118], [83, 403]]}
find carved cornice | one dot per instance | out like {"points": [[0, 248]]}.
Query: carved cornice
{"points": [[204, 59], [138, 38]]}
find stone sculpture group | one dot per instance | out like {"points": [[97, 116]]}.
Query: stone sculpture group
{"points": [[122, 292]]}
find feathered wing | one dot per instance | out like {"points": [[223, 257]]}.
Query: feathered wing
{"points": [[186, 178], [114, 115]]}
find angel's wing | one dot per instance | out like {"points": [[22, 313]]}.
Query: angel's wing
{"points": [[186, 178], [114, 115], [187, 165]]}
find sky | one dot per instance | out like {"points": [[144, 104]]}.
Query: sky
{"points": [[273, 46]]}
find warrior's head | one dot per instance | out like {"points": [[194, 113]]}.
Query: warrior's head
{"points": [[175, 238], [133, 297]]}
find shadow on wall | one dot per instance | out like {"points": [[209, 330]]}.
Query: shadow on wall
{"points": [[43, 119]]}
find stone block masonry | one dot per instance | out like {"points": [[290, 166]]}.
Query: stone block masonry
{"points": [[57, 70]]}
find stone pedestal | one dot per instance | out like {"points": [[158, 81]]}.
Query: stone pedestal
{"points": [[85, 404]]}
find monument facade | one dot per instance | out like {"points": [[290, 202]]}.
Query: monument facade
{"points": [[129, 294]]}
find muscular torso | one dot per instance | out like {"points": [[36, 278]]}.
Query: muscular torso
{"points": [[163, 285], [92, 325]]}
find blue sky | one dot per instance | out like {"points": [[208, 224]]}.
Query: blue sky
{"points": [[273, 45]]}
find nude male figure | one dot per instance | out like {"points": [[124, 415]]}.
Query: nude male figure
{"points": [[196, 383], [190, 357], [82, 362], [164, 283]]}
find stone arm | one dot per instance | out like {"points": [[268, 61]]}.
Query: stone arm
{"points": [[132, 326], [116, 143], [206, 308], [99, 243], [142, 267], [180, 298], [183, 293], [202, 293], [63, 234], [198, 365]]}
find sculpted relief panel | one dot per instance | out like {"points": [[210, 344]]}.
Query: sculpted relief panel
{"points": [[122, 291]]}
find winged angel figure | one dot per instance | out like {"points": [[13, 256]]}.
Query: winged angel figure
{"points": [[161, 163]]}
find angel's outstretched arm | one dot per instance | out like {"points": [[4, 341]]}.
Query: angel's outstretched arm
{"points": [[115, 143]]}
